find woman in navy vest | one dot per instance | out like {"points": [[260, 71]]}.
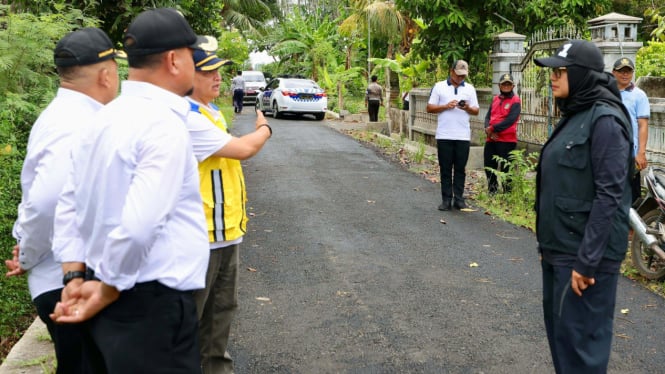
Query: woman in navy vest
{"points": [[582, 199]]}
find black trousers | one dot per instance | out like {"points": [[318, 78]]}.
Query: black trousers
{"points": [[68, 339], [151, 328], [636, 186], [373, 110], [453, 155], [238, 95], [579, 329], [501, 149]]}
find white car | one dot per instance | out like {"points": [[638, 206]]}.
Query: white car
{"points": [[254, 82], [293, 95]]}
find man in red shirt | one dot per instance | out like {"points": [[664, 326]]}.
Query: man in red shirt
{"points": [[501, 129]]}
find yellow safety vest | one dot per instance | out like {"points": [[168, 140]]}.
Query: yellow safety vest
{"points": [[222, 191]]}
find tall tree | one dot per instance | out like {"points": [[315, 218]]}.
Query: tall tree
{"points": [[464, 29], [306, 44]]}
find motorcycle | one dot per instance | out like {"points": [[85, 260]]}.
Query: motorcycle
{"points": [[647, 219]]}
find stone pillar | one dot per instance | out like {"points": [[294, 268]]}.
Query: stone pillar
{"points": [[508, 49], [616, 36]]}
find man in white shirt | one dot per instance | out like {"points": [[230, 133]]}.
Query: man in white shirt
{"points": [[88, 80], [454, 100], [224, 196], [238, 91], [131, 214]]}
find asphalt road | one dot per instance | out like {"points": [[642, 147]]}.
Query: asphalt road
{"points": [[348, 268]]}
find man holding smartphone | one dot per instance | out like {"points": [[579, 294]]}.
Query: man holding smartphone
{"points": [[454, 100]]}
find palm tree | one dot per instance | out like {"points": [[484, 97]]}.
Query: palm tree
{"points": [[382, 22]]}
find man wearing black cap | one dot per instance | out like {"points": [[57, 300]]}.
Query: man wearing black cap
{"points": [[637, 103], [223, 192], [88, 80], [582, 201], [131, 213], [501, 129]]}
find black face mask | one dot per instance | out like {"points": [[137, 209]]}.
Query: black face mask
{"points": [[585, 87]]}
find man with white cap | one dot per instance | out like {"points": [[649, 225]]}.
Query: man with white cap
{"points": [[454, 100], [224, 196], [131, 213]]}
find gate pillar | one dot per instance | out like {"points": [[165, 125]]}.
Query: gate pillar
{"points": [[508, 48], [616, 36]]}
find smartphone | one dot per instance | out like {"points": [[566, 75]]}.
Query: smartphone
{"points": [[461, 103]]}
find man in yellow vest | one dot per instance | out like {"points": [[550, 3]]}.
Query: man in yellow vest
{"points": [[223, 192]]}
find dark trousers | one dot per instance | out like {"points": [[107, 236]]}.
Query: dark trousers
{"points": [[501, 149], [579, 329], [150, 329], [216, 305], [636, 186], [373, 110], [238, 95], [67, 338], [453, 155]]}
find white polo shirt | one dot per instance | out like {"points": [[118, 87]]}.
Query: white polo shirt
{"points": [[45, 169], [131, 207], [453, 124]]}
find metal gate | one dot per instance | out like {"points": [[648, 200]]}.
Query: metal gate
{"points": [[539, 112]]}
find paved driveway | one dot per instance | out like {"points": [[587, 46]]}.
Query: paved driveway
{"points": [[348, 268]]}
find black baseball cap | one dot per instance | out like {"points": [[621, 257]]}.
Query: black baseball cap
{"points": [[158, 30], [85, 46], [506, 78], [575, 52], [623, 62]]}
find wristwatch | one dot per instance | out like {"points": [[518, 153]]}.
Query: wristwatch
{"points": [[71, 275]]}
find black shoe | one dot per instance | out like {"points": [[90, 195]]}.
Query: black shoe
{"points": [[445, 206], [460, 204]]}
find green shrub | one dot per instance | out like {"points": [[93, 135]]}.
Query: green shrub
{"points": [[518, 202], [649, 60]]}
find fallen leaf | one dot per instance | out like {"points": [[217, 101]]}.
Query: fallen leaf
{"points": [[473, 265], [251, 269], [263, 298], [625, 311], [443, 221], [468, 210], [371, 201]]}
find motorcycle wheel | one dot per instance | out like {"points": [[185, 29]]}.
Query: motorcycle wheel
{"points": [[644, 259]]}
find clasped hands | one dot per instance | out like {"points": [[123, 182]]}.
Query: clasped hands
{"points": [[81, 300]]}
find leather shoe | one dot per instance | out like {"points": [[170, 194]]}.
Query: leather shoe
{"points": [[460, 204], [445, 206]]}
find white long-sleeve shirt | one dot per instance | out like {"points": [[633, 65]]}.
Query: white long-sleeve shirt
{"points": [[45, 169], [131, 208]]}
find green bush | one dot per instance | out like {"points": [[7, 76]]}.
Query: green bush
{"points": [[517, 204], [649, 60]]}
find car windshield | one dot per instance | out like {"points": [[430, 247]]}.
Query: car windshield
{"points": [[253, 78], [301, 84]]}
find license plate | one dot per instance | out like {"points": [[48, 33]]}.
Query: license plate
{"points": [[306, 96]]}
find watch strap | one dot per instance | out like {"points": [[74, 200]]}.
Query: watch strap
{"points": [[70, 275]]}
